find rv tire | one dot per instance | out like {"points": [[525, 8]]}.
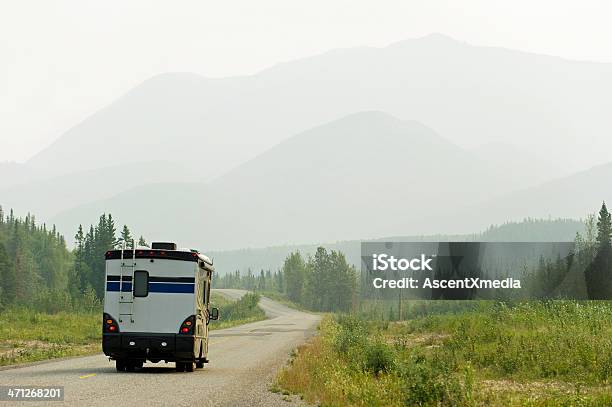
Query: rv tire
{"points": [[120, 365], [200, 360], [132, 365], [189, 367], [180, 367]]}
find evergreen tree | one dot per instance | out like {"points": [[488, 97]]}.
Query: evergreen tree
{"points": [[102, 238], [604, 228], [125, 238], [142, 242], [80, 261], [294, 270], [598, 274], [7, 278]]}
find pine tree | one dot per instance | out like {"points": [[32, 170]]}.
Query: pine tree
{"points": [[294, 271], [79, 259], [7, 278], [142, 242], [125, 238], [604, 227], [110, 232], [598, 274], [104, 239]]}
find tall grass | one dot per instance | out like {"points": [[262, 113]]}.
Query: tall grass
{"points": [[560, 340], [538, 353]]}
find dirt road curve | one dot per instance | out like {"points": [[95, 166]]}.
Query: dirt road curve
{"points": [[243, 361]]}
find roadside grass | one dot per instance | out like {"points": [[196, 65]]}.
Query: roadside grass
{"points": [[29, 336], [282, 299], [556, 353], [233, 313]]}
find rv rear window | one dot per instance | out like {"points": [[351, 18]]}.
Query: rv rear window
{"points": [[141, 283]]}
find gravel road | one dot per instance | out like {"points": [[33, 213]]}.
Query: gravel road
{"points": [[243, 362]]}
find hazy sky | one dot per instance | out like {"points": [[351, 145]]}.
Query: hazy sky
{"points": [[62, 60]]}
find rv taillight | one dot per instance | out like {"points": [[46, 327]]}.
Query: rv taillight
{"points": [[187, 326], [109, 325]]}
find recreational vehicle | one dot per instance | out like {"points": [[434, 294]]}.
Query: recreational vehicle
{"points": [[156, 307]]}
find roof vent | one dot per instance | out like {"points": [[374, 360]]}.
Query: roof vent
{"points": [[163, 245]]}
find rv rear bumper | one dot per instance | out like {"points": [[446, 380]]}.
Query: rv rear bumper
{"points": [[150, 346]]}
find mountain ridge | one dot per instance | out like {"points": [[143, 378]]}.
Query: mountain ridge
{"points": [[323, 181], [490, 94]]}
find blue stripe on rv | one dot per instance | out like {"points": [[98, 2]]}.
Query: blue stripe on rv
{"points": [[154, 287], [171, 288]]}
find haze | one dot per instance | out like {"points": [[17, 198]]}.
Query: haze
{"points": [[62, 61], [249, 126]]}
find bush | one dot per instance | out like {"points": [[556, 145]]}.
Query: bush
{"points": [[352, 333], [241, 309], [52, 301], [378, 357], [428, 382]]}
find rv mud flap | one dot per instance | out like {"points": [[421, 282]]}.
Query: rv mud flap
{"points": [[185, 347]]}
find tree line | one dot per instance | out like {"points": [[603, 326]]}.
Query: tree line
{"points": [[587, 272], [597, 257], [38, 270], [323, 282], [90, 248], [34, 261]]}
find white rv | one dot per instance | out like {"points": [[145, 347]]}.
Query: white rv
{"points": [[156, 307]]}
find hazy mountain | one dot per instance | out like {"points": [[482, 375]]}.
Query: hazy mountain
{"points": [[524, 164], [574, 196], [472, 95], [365, 175], [46, 196], [15, 173]]}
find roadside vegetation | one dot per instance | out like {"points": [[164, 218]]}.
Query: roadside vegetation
{"points": [[232, 313], [469, 353], [27, 335], [540, 354]]}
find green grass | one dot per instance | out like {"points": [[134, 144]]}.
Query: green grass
{"points": [[28, 336], [534, 354], [282, 299], [233, 313]]}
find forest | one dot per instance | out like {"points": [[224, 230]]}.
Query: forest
{"points": [[326, 282], [323, 282], [38, 270]]}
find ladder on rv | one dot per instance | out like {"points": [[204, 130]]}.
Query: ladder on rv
{"points": [[126, 299]]}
